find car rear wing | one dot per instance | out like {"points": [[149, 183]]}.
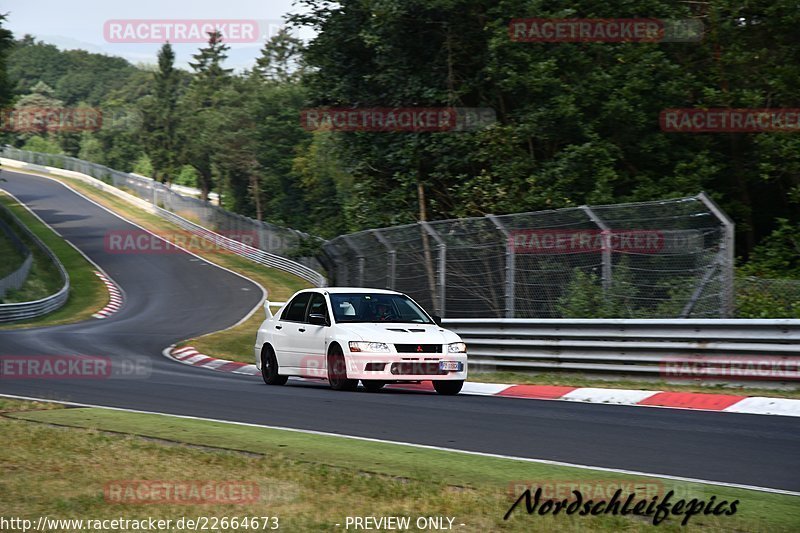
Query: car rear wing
{"points": [[268, 304]]}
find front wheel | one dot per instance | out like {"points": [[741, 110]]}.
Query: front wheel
{"points": [[448, 388], [337, 372], [269, 369]]}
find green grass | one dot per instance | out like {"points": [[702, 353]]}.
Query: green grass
{"points": [[43, 278], [320, 479], [87, 293], [11, 258]]}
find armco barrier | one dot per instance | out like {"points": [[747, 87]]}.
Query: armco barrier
{"points": [[629, 346], [15, 279], [249, 252], [25, 310]]}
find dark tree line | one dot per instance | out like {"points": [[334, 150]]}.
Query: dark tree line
{"points": [[577, 122]]}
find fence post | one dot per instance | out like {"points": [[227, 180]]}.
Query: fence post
{"points": [[606, 251], [391, 263], [726, 254], [510, 267], [442, 268], [359, 257]]}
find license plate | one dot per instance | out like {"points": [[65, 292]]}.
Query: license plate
{"points": [[451, 366]]}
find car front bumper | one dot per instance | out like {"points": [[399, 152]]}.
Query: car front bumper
{"points": [[404, 367]]}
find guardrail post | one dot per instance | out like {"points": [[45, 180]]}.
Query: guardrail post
{"points": [[689, 307], [391, 263], [606, 251], [510, 267], [726, 253], [440, 298], [359, 257]]}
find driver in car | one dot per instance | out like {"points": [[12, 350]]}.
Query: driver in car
{"points": [[383, 312]]}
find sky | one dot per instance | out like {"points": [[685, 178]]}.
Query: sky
{"points": [[80, 24]]}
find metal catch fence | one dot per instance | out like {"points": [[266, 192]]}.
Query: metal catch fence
{"points": [[671, 258]]}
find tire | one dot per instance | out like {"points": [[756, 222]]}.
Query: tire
{"points": [[373, 385], [337, 372], [448, 388], [269, 368]]}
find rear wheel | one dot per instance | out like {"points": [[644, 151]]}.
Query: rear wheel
{"points": [[269, 368], [448, 388], [337, 371], [373, 385]]}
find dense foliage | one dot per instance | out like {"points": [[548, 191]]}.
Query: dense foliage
{"points": [[577, 122]]}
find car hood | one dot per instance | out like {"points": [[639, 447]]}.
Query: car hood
{"points": [[394, 333]]}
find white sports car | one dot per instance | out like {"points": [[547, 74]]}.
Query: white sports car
{"points": [[346, 334]]}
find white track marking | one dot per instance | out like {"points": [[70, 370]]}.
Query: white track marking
{"points": [[423, 446]]}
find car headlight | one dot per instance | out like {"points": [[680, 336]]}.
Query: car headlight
{"points": [[456, 347], [359, 346]]}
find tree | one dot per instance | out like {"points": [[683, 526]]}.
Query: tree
{"points": [[577, 122], [6, 44], [201, 113], [161, 117], [281, 58]]}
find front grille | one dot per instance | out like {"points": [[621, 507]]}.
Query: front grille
{"points": [[416, 369], [418, 348]]}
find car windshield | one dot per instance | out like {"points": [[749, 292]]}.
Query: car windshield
{"points": [[367, 307]]}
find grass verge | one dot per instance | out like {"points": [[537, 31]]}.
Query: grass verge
{"points": [[87, 293], [43, 278], [311, 482], [11, 258]]}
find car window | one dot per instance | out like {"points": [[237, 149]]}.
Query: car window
{"points": [[296, 310], [317, 306], [366, 307]]}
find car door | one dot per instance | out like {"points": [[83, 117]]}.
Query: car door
{"points": [[289, 331], [312, 341]]}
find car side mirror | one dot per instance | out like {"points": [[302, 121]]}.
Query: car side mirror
{"points": [[437, 319], [317, 319]]}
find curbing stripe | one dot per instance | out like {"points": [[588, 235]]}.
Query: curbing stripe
{"points": [[539, 392], [115, 299], [612, 396], [693, 400], [727, 403]]}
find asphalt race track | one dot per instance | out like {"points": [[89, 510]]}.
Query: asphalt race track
{"points": [[171, 297]]}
